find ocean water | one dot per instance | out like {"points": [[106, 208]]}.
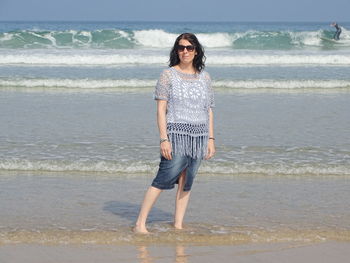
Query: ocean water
{"points": [[79, 142]]}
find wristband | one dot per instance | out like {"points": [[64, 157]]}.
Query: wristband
{"points": [[164, 140], [211, 138]]}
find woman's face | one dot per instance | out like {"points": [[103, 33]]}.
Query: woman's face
{"points": [[186, 56]]}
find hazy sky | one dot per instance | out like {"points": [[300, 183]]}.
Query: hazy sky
{"points": [[176, 10]]}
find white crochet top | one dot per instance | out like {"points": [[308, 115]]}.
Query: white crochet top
{"points": [[189, 97]]}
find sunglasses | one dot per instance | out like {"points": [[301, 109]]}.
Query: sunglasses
{"points": [[189, 48]]}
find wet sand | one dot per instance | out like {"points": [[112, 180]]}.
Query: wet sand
{"points": [[88, 218], [274, 252], [219, 204]]}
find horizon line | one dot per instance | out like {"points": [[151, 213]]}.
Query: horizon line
{"points": [[168, 21]]}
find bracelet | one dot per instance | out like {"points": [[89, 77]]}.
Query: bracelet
{"points": [[211, 138], [164, 140]]}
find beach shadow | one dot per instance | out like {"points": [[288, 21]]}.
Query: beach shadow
{"points": [[130, 211]]}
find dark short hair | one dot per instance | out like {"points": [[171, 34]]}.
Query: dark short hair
{"points": [[199, 59]]}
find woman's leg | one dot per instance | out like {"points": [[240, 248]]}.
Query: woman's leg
{"points": [[151, 197], [182, 198]]}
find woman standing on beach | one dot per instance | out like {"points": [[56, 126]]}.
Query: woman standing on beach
{"points": [[185, 121]]}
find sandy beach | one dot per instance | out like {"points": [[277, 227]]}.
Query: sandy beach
{"points": [[88, 218], [270, 253]]}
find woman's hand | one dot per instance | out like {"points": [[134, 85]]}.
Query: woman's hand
{"points": [[165, 150], [210, 150]]}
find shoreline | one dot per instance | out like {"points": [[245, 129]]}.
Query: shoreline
{"points": [[80, 208], [164, 234]]}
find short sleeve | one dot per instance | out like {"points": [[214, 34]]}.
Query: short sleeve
{"points": [[163, 86], [210, 90]]}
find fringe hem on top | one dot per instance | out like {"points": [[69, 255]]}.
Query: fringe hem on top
{"points": [[189, 139], [193, 146]]}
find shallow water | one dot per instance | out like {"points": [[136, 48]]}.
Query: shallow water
{"points": [[264, 133], [101, 208]]}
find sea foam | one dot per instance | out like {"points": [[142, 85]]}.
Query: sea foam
{"points": [[150, 167], [155, 57], [228, 84]]}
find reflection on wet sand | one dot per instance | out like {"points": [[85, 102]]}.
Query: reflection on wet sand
{"points": [[144, 255], [181, 256]]}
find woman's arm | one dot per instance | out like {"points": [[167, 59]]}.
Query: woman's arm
{"points": [[165, 146], [211, 142]]}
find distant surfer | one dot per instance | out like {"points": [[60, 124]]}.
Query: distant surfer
{"points": [[337, 33]]}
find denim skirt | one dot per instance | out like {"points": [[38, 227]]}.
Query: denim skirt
{"points": [[170, 170]]}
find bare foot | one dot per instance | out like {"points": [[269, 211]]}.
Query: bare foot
{"points": [[140, 230], [178, 226]]}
